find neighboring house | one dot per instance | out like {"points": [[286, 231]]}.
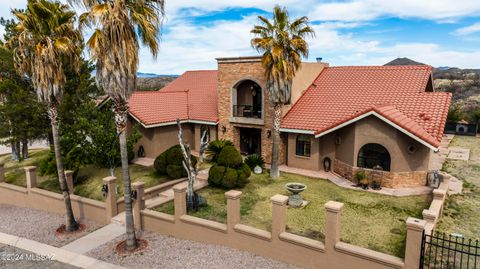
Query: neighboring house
{"points": [[461, 128], [383, 117]]}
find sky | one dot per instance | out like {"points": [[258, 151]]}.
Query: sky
{"points": [[348, 32]]}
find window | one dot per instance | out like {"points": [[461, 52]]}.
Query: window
{"points": [[303, 146], [374, 156]]}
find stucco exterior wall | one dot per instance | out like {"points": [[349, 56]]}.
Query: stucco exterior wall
{"points": [[310, 163], [345, 150], [374, 130], [158, 139]]}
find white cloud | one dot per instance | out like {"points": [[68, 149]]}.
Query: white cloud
{"points": [[364, 10], [468, 29]]}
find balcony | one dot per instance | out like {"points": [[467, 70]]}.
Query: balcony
{"points": [[247, 111]]}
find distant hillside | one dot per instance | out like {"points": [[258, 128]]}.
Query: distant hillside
{"points": [[153, 82], [464, 84], [404, 61]]}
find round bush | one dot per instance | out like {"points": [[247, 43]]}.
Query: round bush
{"points": [[172, 156], [228, 178], [230, 157], [215, 175]]}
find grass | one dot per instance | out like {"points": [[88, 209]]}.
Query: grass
{"points": [[89, 179], [461, 213], [369, 220], [14, 173]]}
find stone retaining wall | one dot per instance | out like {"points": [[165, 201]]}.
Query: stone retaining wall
{"points": [[388, 179]]}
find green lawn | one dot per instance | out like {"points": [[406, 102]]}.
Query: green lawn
{"points": [[89, 178], [461, 213], [14, 173], [369, 220]]}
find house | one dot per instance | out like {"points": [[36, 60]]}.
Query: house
{"points": [[387, 118], [461, 127]]}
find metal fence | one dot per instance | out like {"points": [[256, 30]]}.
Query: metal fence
{"points": [[441, 251]]}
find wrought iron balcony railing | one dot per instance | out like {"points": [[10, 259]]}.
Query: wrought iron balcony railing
{"points": [[247, 111]]}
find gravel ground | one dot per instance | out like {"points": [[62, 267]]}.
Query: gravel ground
{"points": [[170, 252], [37, 225], [15, 258]]}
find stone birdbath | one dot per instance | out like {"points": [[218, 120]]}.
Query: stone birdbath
{"points": [[295, 200]]}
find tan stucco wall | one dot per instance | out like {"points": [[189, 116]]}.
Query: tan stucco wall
{"points": [[356, 135], [310, 163], [198, 135], [374, 130], [304, 77], [158, 139]]}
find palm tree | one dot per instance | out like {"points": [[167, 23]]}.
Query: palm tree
{"points": [[283, 45], [47, 42], [114, 44]]}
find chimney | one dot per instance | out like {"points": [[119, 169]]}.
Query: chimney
{"points": [[319, 59]]}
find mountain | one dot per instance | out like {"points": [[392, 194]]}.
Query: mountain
{"points": [[404, 61], [146, 75], [154, 83]]}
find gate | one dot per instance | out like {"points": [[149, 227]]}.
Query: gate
{"points": [[441, 251]]}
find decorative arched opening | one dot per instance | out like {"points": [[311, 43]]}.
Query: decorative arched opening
{"points": [[247, 99], [374, 156], [303, 146]]}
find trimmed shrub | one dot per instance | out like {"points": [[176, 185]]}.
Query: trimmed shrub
{"points": [[175, 171], [229, 171], [230, 157], [215, 147], [170, 161]]}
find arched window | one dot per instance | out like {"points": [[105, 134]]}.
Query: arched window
{"points": [[203, 129], [303, 146], [374, 156]]}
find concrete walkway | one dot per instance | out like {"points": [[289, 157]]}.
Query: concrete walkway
{"points": [[167, 196], [57, 254], [144, 161], [345, 183], [96, 238]]}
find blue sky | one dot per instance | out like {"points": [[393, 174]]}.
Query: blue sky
{"points": [[348, 32]]}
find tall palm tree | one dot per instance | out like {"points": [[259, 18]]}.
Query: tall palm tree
{"points": [[47, 42], [114, 44], [283, 45]]}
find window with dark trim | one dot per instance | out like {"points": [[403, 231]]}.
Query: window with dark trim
{"points": [[303, 146], [374, 156]]}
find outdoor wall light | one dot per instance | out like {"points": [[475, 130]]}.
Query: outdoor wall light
{"points": [[269, 133], [224, 129], [104, 190]]}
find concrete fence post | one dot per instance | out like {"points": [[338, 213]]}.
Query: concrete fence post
{"points": [[233, 209], [31, 175], [413, 247], [179, 200], [279, 215], [2, 173], [138, 204], [111, 198], [69, 179], [332, 228]]}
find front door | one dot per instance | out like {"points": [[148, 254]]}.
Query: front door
{"points": [[250, 141]]}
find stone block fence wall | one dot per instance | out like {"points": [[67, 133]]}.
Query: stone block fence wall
{"points": [[277, 243], [389, 179]]}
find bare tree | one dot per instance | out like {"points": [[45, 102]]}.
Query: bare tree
{"points": [[188, 166], [204, 141]]}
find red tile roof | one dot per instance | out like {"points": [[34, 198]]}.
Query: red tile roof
{"points": [[192, 96], [397, 93]]}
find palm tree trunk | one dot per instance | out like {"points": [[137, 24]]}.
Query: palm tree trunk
{"points": [[274, 171], [131, 239], [70, 223]]}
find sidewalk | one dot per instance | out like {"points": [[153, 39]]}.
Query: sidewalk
{"points": [[96, 238], [58, 254]]}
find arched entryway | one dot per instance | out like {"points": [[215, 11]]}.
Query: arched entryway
{"points": [[374, 156], [247, 99]]}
